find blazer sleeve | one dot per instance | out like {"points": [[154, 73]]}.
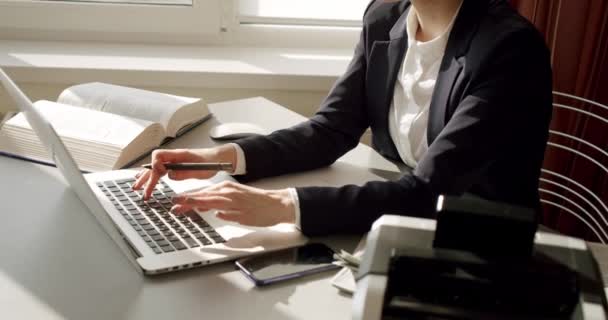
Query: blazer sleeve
{"points": [[334, 130], [481, 129]]}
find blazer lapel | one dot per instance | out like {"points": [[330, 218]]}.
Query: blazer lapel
{"points": [[387, 57], [395, 55], [452, 64], [440, 99]]}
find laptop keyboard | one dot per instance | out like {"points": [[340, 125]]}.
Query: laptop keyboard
{"points": [[152, 220]]}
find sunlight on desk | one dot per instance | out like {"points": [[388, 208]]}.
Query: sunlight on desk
{"points": [[18, 303]]}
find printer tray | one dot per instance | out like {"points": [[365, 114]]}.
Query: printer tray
{"points": [[451, 284]]}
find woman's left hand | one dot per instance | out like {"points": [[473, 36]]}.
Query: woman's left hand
{"points": [[240, 203]]}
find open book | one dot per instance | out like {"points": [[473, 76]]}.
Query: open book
{"points": [[105, 126]]}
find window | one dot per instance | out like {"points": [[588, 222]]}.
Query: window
{"points": [[277, 23], [111, 20], [326, 24], [303, 12]]}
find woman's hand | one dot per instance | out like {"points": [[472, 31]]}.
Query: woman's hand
{"points": [[240, 203], [148, 178]]}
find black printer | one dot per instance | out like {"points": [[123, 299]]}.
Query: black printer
{"points": [[478, 260]]}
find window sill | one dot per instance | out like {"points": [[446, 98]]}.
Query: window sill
{"points": [[173, 66]]}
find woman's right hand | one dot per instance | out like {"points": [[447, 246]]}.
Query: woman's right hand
{"points": [[149, 178]]}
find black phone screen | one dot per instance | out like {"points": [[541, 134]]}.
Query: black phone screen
{"points": [[288, 264]]}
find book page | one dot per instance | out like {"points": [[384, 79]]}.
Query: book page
{"points": [[87, 125], [131, 102], [96, 140]]}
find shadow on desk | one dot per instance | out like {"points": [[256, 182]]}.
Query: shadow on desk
{"points": [[218, 290]]}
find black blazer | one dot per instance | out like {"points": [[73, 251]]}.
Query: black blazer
{"points": [[487, 130]]}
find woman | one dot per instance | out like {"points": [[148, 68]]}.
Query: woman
{"points": [[460, 90]]}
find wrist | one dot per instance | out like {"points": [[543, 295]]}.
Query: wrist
{"points": [[224, 153], [286, 205]]}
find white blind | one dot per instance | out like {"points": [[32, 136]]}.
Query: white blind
{"points": [[345, 12]]}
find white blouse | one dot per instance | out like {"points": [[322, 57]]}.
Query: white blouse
{"points": [[409, 111]]}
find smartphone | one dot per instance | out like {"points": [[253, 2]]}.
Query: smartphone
{"points": [[288, 263]]}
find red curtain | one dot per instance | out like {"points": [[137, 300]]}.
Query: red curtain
{"points": [[576, 31]]}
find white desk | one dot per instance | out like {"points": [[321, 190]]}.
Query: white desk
{"points": [[56, 262]]}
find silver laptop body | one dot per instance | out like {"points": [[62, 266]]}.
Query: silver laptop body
{"points": [[146, 233]]}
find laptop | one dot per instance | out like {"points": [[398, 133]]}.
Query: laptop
{"points": [[154, 240]]}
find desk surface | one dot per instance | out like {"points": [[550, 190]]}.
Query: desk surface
{"points": [[56, 262]]}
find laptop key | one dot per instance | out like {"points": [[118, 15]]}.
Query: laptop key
{"points": [[201, 223], [157, 237], [193, 216], [125, 180], [191, 242], [167, 248], [218, 239], [157, 250], [178, 245], [163, 243]]}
